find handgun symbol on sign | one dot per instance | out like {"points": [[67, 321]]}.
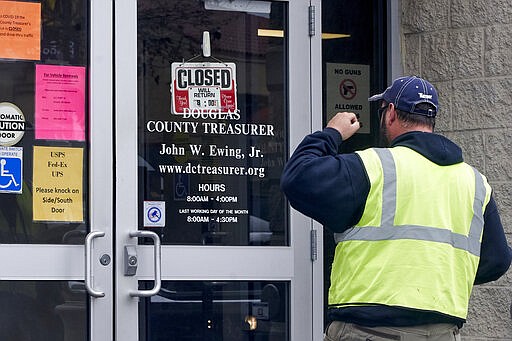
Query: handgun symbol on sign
{"points": [[348, 89]]}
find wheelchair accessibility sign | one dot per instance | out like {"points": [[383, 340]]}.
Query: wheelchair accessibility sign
{"points": [[11, 169]]}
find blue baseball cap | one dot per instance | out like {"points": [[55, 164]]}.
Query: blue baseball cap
{"points": [[407, 92]]}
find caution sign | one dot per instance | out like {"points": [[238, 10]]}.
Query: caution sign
{"points": [[348, 89], [203, 88], [12, 124], [11, 169]]}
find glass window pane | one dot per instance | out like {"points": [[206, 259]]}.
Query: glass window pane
{"points": [[353, 59], [209, 174], [43, 101], [227, 310], [43, 310]]}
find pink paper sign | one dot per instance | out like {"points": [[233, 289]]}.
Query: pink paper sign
{"points": [[60, 102]]}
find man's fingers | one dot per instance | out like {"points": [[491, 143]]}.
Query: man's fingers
{"points": [[347, 123], [356, 125]]}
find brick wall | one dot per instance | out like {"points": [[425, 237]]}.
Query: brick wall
{"points": [[464, 47]]}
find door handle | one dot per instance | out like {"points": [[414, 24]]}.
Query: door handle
{"points": [[88, 268], [158, 264]]}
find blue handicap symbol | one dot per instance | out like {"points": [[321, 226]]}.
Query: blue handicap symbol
{"points": [[10, 174]]}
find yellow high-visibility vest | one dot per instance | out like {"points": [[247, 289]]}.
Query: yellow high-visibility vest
{"points": [[417, 244]]}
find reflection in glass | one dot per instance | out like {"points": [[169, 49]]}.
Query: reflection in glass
{"points": [[43, 310], [223, 310], [182, 161]]}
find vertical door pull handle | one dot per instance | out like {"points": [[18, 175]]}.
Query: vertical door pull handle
{"points": [[158, 264], [88, 267]]}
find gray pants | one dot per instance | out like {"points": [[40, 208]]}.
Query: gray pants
{"points": [[341, 331]]}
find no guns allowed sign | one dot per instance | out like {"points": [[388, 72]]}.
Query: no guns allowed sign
{"points": [[348, 89], [203, 88]]}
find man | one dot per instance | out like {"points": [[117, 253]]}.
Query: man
{"points": [[415, 226]]}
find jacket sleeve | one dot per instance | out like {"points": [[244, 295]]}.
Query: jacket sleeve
{"points": [[329, 187], [495, 253]]}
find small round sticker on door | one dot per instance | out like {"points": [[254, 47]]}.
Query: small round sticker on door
{"points": [[154, 213], [12, 124]]}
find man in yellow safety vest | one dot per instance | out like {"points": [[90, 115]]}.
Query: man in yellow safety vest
{"points": [[415, 226]]}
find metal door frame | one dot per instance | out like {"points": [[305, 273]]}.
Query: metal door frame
{"points": [[101, 181], [294, 262]]}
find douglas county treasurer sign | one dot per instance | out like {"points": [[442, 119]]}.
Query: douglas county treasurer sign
{"points": [[203, 88]]}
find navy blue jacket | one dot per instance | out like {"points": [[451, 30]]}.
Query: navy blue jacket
{"points": [[332, 189]]}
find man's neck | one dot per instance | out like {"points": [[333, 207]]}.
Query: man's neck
{"points": [[404, 130]]}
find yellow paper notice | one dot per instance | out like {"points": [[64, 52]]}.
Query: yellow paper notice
{"points": [[58, 181]]}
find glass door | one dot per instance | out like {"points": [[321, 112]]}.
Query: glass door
{"points": [[210, 98], [55, 170]]}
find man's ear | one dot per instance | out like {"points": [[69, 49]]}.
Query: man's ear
{"points": [[392, 115]]}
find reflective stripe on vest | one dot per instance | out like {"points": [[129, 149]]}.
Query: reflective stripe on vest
{"points": [[388, 231]]}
